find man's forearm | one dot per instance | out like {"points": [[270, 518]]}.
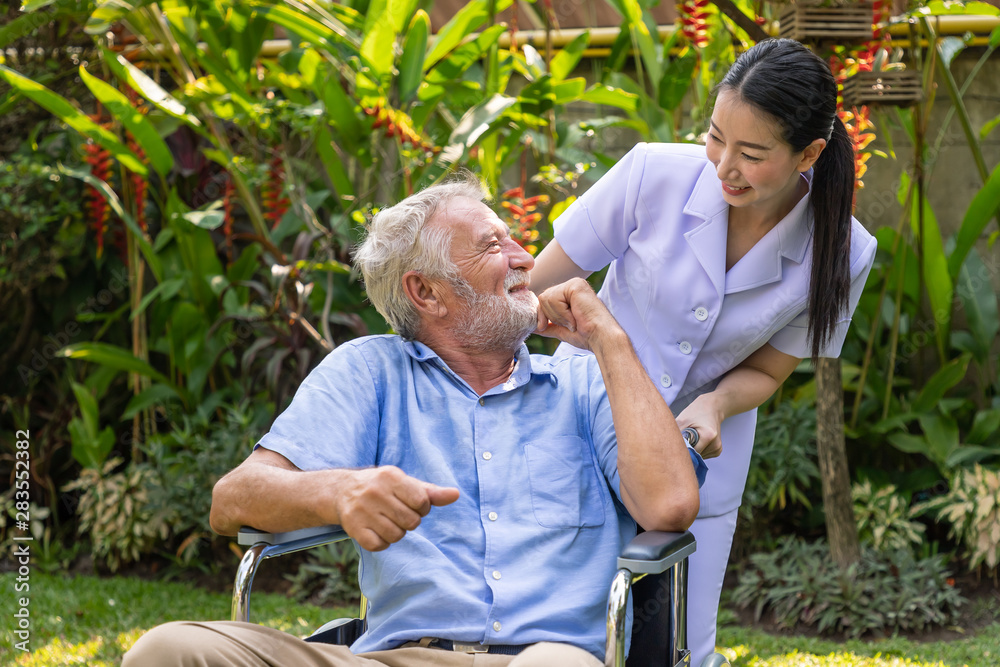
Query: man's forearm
{"points": [[272, 499], [658, 484]]}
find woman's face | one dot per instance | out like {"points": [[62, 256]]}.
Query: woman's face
{"points": [[756, 166]]}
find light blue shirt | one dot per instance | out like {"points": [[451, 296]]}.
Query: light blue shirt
{"points": [[528, 551]]}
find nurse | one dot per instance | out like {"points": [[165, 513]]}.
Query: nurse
{"points": [[729, 263]]}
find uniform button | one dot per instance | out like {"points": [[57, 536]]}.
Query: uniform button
{"points": [[493, 516], [496, 574], [482, 401], [685, 347], [665, 380], [496, 626], [487, 455], [701, 313]]}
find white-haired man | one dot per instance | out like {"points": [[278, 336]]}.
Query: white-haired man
{"points": [[489, 490]]}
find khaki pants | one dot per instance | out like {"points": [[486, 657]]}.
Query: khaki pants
{"points": [[225, 643]]}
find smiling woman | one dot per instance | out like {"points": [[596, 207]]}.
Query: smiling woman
{"points": [[729, 263]]}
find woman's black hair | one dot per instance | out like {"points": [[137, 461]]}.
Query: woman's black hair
{"points": [[793, 85]]}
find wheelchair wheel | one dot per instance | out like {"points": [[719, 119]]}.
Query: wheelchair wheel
{"points": [[715, 660]]}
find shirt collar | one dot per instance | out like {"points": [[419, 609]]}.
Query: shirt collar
{"points": [[519, 376]]}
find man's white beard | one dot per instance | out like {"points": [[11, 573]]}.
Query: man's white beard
{"points": [[497, 322]]}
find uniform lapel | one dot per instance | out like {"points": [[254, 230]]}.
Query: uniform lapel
{"points": [[708, 240], [762, 264]]}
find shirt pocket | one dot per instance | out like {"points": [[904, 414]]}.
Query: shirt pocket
{"points": [[565, 488]]}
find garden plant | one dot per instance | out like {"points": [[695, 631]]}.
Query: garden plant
{"points": [[182, 183]]}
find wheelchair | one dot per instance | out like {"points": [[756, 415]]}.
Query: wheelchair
{"points": [[652, 569]]}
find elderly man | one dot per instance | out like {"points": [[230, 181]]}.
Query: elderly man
{"points": [[489, 490]]}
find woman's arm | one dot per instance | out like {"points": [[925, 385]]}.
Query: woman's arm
{"points": [[743, 388], [552, 267]]}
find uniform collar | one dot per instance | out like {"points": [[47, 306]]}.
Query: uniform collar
{"points": [[790, 238]]}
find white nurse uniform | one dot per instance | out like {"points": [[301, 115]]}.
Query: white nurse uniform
{"points": [[659, 219]]}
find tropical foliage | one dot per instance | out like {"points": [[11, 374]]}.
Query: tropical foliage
{"points": [[179, 216]]}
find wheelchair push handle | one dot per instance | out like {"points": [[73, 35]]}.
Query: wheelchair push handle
{"points": [[690, 435]]}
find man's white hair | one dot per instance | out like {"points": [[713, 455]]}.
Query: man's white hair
{"points": [[398, 241]]}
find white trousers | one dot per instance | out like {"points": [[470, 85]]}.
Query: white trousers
{"points": [[706, 570], [713, 530]]}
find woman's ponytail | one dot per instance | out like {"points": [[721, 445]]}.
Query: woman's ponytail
{"points": [[832, 201]]}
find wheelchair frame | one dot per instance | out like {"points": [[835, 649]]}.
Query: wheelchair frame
{"points": [[650, 553]]}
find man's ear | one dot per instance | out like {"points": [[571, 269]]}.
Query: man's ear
{"points": [[425, 294], [810, 154]]}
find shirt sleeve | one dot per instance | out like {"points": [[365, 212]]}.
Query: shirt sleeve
{"points": [[793, 339], [605, 440], [332, 422], [594, 230]]}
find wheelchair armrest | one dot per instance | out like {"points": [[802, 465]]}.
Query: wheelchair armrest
{"points": [[309, 537], [269, 545], [655, 552]]}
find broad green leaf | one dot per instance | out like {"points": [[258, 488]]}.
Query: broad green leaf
{"points": [[154, 395], [145, 86], [942, 436], [109, 12], [979, 302], [989, 127], [677, 77], [612, 97], [451, 69], [949, 47], [983, 208], [134, 121], [334, 164], [211, 219], [400, 12], [465, 21], [910, 444], [309, 20], [934, 265], [60, 107], [569, 90], [995, 38], [938, 385], [166, 289], [985, 426], [379, 45], [478, 119], [90, 451], [966, 454], [565, 61], [88, 407], [113, 356], [412, 61]]}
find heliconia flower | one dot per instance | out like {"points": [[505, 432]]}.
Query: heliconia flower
{"points": [[97, 207], [274, 202], [228, 195], [693, 18]]}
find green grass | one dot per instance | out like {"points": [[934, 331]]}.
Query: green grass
{"points": [[92, 621], [753, 648], [88, 620]]}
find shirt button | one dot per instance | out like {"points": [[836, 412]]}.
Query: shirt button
{"points": [[487, 455], [496, 626], [482, 401], [493, 516], [665, 380], [701, 313], [685, 347], [496, 574]]}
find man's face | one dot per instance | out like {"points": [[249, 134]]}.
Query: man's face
{"points": [[496, 310]]}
